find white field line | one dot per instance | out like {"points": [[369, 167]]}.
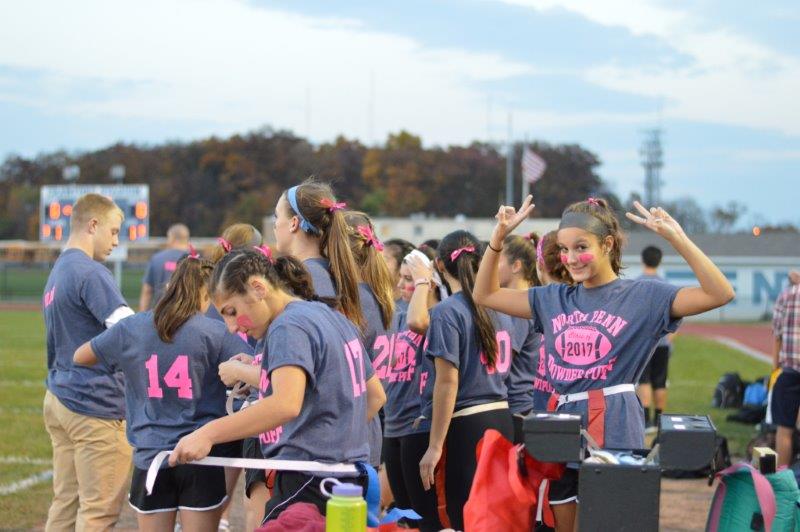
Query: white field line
{"points": [[25, 483], [749, 351], [24, 460]]}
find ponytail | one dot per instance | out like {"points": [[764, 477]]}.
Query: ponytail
{"points": [[322, 216], [235, 236], [182, 297], [237, 267], [460, 251], [523, 249], [366, 249]]}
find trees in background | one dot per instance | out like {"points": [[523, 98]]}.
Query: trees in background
{"points": [[213, 182]]}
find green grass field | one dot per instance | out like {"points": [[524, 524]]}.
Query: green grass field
{"points": [[27, 283], [694, 370]]}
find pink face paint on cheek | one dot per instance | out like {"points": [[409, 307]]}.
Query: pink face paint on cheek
{"points": [[586, 258], [244, 322], [564, 258]]}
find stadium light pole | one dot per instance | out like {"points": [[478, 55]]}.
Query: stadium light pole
{"points": [[652, 161]]}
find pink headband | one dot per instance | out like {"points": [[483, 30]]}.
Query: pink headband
{"points": [[193, 253], [539, 251], [266, 251], [225, 244], [457, 253], [369, 237], [331, 205]]}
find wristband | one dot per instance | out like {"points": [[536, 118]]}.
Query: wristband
{"points": [[495, 249], [421, 281]]}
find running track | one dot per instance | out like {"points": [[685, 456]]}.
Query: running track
{"points": [[754, 339]]}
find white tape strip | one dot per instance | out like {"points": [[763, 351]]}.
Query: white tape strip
{"points": [[251, 463]]}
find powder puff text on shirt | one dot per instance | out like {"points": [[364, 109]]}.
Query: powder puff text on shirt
{"points": [[584, 339]]}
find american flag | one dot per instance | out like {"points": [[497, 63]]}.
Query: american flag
{"points": [[533, 166]]}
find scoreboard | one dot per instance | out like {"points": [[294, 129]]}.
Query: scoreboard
{"points": [[56, 201]]}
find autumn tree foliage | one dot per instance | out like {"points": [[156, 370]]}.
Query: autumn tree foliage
{"points": [[213, 182]]}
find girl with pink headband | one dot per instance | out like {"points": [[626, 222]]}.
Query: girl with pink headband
{"points": [[599, 333], [469, 355]]}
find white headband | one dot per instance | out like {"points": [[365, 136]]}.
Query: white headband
{"points": [[437, 280]]}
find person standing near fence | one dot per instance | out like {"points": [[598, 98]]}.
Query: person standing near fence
{"points": [[161, 266], [785, 402], [652, 389], [84, 408]]}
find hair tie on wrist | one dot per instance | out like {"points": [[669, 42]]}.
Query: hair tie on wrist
{"points": [[495, 249]]}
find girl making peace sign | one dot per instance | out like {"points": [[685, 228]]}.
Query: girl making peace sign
{"points": [[599, 333]]}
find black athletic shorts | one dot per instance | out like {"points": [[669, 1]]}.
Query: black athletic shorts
{"points": [[565, 489], [655, 373], [292, 486], [183, 487], [785, 401], [252, 449]]}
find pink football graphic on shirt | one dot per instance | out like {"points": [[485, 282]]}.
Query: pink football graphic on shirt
{"points": [[170, 266], [582, 346]]}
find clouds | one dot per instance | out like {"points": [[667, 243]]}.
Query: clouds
{"points": [[732, 79], [238, 65]]}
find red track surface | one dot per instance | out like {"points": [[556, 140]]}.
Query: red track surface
{"points": [[755, 336]]}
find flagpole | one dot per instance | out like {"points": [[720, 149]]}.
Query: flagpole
{"points": [[526, 185], [510, 166]]}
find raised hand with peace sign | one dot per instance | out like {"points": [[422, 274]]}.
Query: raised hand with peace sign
{"points": [[657, 220], [508, 218]]}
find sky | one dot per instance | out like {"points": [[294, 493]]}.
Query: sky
{"points": [[719, 78]]}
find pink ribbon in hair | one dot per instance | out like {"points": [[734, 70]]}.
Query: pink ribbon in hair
{"points": [[593, 201], [369, 236], [225, 244], [266, 251], [539, 251], [193, 253], [457, 253], [331, 205]]}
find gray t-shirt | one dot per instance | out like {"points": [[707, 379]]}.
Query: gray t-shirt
{"points": [[79, 296], [159, 270], [332, 424], [452, 336], [520, 379], [319, 269], [172, 388], [398, 359], [374, 333], [664, 342], [600, 337]]}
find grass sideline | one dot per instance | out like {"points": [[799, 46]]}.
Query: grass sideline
{"points": [[27, 284], [695, 368]]}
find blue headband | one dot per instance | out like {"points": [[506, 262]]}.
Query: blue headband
{"points": [[305, 225]]}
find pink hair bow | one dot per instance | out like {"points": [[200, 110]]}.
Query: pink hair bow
{"points": [[593, 201], [457, 253], [193, 253], [331, 205], [539, 251], [225, 244], [266, 251], [369, 236]]}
